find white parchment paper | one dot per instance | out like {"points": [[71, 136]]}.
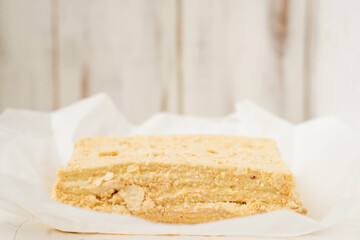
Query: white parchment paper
{"points": [[323, 154]]}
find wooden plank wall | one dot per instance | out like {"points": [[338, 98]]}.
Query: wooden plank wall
{"points": [[125, 48], [186, 56], [334, 59], [26, 54], [243, 49]]}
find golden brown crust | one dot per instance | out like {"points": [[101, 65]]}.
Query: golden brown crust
{"points": [[178, 179]]}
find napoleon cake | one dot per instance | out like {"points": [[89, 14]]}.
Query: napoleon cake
{"points": [[178, 178]]}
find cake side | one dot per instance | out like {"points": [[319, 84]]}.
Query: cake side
{"points": [[154, 195], [165, 188], [158, 182]]}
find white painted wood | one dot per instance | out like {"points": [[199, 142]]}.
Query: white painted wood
{"points": [[206, 83], [294, 83], [230, 54], [335, 60], [124, 48], [25, 54], [73, 48]]}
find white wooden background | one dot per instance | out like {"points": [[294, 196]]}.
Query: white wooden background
{"points": [[298, 59]]}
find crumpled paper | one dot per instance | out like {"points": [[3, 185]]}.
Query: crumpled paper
{"points": [[323, 154]]}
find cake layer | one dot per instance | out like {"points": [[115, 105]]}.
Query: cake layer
{"points": [[161, 184]]}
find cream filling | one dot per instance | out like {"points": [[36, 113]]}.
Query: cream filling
{"points": [[140, 188]]}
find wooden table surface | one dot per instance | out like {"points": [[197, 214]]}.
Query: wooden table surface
{"points": [[14, 227]]}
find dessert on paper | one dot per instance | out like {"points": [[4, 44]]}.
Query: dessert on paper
{"points": [[322, 155], [178, 178]]}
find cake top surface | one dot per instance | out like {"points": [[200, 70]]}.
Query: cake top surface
{"points": [[205, 150]]}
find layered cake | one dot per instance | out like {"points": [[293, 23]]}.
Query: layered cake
{"points": [[178, 178]]}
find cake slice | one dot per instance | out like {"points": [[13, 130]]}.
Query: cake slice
{"points": [[179, 178]]}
